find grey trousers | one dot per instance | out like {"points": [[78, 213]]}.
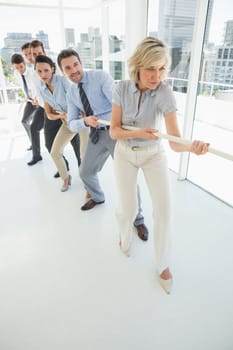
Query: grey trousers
{"points": [[93, 161]]}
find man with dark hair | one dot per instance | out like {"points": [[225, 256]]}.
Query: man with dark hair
{"points": [[33, 116], [37, 48], [91, 96], [26, 50]]}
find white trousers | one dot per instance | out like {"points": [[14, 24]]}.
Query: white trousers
{"points": [[153, 162]]}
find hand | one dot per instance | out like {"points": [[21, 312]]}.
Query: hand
{"points": [[35, 102], [91, 121], [199, 147], [146, 133], [63, 115]]}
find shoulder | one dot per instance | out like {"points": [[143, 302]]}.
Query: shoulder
{"points": [[125, 86], [99, 75], [165, 87]]}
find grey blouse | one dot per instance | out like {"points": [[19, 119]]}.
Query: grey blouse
{"points": [[155, 104]]}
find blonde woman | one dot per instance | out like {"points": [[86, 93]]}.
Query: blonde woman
{"points": [[145, 101]]}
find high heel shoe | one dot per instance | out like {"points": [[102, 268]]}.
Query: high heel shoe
{"points": [[166, 284], [66, 184]]}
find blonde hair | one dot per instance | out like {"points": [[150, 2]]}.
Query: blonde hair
{"points": [[150, 52]]}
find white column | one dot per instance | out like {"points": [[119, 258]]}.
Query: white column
{"points": [[62, 26], [105, 36], [135, 25], [196, 52]]}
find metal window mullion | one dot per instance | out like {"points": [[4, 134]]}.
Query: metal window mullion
{"points": [[195, 63]]}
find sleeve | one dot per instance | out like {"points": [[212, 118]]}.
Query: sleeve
{"points": [[36, 89], [107, 86], [116, 96], [75, 123], [167, 100]]}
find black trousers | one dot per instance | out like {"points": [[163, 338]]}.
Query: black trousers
{"points": [[37, 124], [75, 142], [27, 118], [51, 128], [33, 122]]}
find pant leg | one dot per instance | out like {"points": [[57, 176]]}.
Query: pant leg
{"points": [[75, 142], [84, 137], [63, 136], [36, 125], [92, 163], [27, 118], [51, 128], [156, 174], [126, 179]]}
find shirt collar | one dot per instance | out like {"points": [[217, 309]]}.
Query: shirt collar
{"points": [[135, 89], [54, 81], [84, 79]]}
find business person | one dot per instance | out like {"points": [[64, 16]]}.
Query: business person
{"points": [[51, 127], [145, 101], [26, 50], [91, 95], [33, 115], [53, 90]]}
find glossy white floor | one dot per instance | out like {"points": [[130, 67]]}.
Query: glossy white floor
{"points": [[66, 286]]}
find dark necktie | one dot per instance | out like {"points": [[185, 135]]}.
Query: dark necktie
{"points": [[25, 87], [88, 111]]}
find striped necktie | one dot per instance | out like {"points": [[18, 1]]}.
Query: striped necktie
{"points": [[88, 111], [86, 105], [25, 86]]}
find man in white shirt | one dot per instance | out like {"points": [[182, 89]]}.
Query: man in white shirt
{"points": [[33, 115], [27, 53]]}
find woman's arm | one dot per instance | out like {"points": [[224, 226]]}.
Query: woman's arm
{"points": [[52, 114], [197, 147], [116, 131]]}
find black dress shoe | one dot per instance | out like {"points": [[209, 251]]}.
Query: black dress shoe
{"points": [[29, 148], [90, 204], [142, 232], [56, 175], [34, 160]]}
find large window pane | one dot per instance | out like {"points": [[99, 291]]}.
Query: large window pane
{"points": [[173, 22], [117, 39], [214, 108]]}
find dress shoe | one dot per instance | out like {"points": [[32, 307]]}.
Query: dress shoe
{"points": [[56, 174], [90, 204], [142, 231], [66, 184], [29, 148], [34, 160], [166, 284]]}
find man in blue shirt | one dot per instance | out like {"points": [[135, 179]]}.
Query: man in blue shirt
{"points": [[97, 86]]}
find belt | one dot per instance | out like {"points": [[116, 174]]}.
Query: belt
{"points": [[107, 127], [137, 148]]}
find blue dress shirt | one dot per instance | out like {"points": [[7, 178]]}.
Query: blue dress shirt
{"points": [[98, 86], [57, 99]]}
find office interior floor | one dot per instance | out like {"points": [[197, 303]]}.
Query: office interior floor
{"points": [[66, 286]]}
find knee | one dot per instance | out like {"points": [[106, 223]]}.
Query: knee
{"points": [[54, 154], [84, 172]]}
